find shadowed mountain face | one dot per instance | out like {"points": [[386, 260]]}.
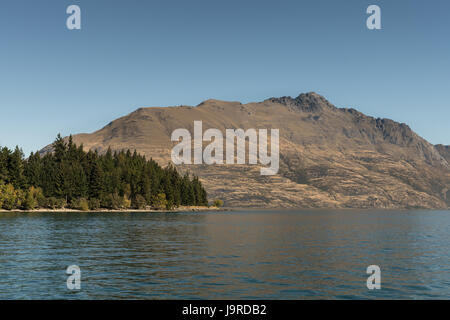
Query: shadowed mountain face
{"points": [[329, 157], [444, 151]]}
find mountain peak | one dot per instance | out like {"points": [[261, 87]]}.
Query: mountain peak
{"points": [[217, 102], [308, 102]]}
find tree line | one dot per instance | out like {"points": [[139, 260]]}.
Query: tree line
{"points": [[70, 177]]}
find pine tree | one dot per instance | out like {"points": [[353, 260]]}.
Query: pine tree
{"points": [[15, 169], [71, 175], [4, 156], [95, 181], [60, 148], [33, 170]]}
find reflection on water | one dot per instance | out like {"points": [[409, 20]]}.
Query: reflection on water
{"points": [[235, 255]]}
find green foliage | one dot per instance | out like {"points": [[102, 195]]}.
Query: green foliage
{"points": [[139, 202], [15, 168], [52, 203], [116, 201], [8, 197], [33, 198], [55, 203], [218, 203], [118, 180], [94, 204], [80, 204], [160, 201]]}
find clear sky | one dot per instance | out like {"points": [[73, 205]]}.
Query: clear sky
{"points": [[136, 53]]}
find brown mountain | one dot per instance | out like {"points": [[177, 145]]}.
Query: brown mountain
{"points": [[329, 157]]}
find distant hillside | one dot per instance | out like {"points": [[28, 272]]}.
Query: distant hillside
{"points": [[444, 151], [330, 157]]}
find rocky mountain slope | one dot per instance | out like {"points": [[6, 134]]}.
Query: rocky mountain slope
{"points": [[329, 157], [444, 151]]}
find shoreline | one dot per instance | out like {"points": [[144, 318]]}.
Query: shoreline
{"points": [[338, 208], [66, 210], [189, 209]]}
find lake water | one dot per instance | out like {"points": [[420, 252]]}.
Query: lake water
{"points": [[307, 254]]}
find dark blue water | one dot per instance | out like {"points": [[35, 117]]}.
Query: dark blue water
{"points": [[232, 255]]}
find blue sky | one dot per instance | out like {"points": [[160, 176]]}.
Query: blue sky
{"points": [[136, 53]]}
